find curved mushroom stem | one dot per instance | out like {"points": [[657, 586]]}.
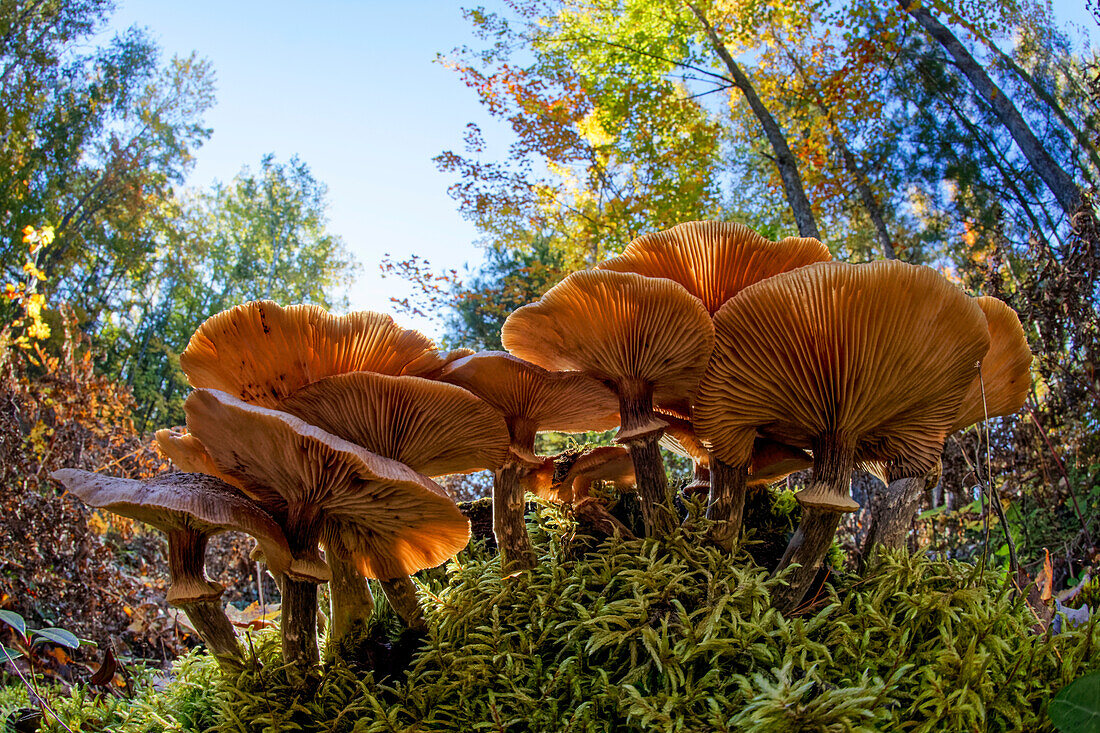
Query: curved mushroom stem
{"points": [[299, 624], [823, 502], [591, 512], [892, 512], [807, 548], [199, 597], [401, 594], [727, 501], [513, 543], [640, 432], [217, 632], [350, 599]]}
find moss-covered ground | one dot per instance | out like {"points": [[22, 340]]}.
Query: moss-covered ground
{"points": [[648, 636]]}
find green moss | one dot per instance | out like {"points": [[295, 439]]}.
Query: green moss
{"points": [[642, 636]]}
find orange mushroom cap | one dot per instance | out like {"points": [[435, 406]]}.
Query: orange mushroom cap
{"points": [[431, 427], [619, 327], [391, 520], [875, 356], [262, 353], [188, 453], [715, 260], [532, 399], [1006, 368]]}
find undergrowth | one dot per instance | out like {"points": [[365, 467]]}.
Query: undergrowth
{"points": [[671, 636]]}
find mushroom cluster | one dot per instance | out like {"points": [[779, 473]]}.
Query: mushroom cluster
{"points": [[320, 435]]}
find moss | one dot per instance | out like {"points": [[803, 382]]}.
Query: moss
{"points": [[641, 635]]}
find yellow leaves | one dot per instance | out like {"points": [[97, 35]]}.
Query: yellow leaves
{"points": [[37, 238], [590, 128]]}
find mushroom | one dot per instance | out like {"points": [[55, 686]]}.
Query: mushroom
{"points": [[189, 508], [714, 261], [381, 515], [262, 353], [612, 464], [1000, 389], [857, 363], [188, 453], [431, 427], [530, 399], [646, 338]]}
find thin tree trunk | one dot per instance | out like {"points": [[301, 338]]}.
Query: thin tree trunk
{"points": [[1060, 183], [785, 160], [867, 198]]}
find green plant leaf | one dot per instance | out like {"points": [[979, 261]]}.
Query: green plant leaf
{"points": [[1076, 707], [14, 620], [58, 636], [12, 654]]}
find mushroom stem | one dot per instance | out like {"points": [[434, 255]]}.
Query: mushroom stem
{"points": [[199, 597], [726, 504], [594, 515], [513, 543], [807, 548], [299, 624], [823, 502], [217, 632], [351, 602], [401, 595], [640, 431], [700, 482]]}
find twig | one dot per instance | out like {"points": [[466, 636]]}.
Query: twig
{"points": [[1062, 470]]}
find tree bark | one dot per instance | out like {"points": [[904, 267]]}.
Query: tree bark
{"points": [[785, 160], [509, 527], [350, 599], [216, 631], [299, 625], [401, 594], [1060, 183], [726, 506]]}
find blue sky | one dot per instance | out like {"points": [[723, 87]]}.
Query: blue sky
{"points": [[352, 87]]}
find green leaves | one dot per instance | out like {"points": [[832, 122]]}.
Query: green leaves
{"points": [[14, 620], [57, 636], [1076, 707]]}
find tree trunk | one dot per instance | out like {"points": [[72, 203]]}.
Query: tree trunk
{"points": [[785, 160], [1059, 182], [513, 543], [401, 593], [727, 502], [350, 598], [216, 631], [299, 625]]}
